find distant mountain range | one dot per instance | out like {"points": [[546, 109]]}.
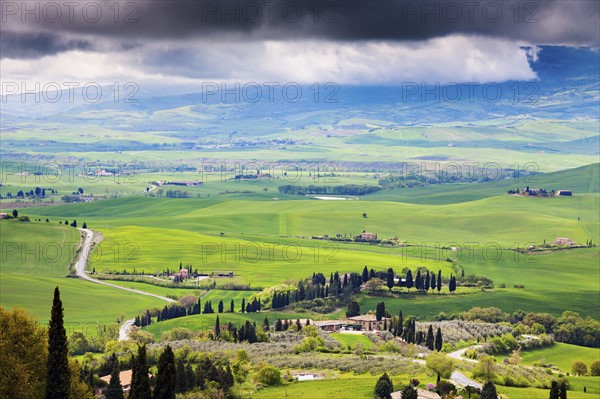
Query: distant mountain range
{"points": [[567, 88]]}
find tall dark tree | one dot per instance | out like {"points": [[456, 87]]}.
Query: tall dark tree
{"points": [[140, 381], [353, 309], [15, 213], [232, 306], [217, 328], [554, 390], [430, 340], [433, 286], [439, 281], [114, 390], [439, 343], [489, 391], [180, 377], [365, 275], [243, 309], [562, 393], [266, 325], [400, 326], [384, 387], [409, 280], [390, 278], [380, 311], [452, 284], [166, 375], [278, 325], [58, 374], [418, 281], [427, 282], [220, 308]]}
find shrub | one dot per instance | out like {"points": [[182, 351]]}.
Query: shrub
{"points": [[443, 388], [384, 387], [490, 315], [269, 375], [595, 368]]}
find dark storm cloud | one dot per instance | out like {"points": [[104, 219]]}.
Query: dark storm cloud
{"points": [[34, 45], [544, 22]]}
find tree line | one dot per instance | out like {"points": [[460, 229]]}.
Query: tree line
{"points": [[346, 189]]}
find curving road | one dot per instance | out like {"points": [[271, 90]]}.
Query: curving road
{"points": [[459, 354], [80, 269]]}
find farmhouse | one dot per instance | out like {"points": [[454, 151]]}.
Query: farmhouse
{"points": [[2, 215], [562, 241], [366, 236], [567, 193], [368, 322], [124, 377], [329, 325]]}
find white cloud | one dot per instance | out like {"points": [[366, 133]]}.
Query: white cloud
{"points": [[455, 58]]}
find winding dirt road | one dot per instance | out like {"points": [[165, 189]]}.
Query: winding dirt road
{"points": [[80, 269]]}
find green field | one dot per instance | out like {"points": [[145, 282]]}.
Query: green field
{"points": [[353, 340], [562, 356], [206, 322], [28, 278], [266, 241]]}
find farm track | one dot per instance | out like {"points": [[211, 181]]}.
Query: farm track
{"points": [[80, 270]]}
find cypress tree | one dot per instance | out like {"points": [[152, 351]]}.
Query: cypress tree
{"points": [[433, 281], [489, 391], [114, 390], [231, 307], [180, 377], [243, 305], [189, 377], [554, 390], [380, 311], [266, 324], [439, 281], [400, 327], [58, 374], [390, 278], [140, 382], [438, 340], [221, 306], [165, 378], [409, 280], [562, 394], [384, 387], [430, 341], [418, 281], [217, 328]]}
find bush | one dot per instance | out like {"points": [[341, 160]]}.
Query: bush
{"points": [[579, 368], [443, 388], [384, 387], [269, 375], [595, 368], [490, 315]]}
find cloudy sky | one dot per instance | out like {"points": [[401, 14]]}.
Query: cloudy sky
{"points": [[185, 43]]}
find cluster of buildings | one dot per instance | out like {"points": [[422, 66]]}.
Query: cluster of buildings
{"points": [[366, 322]]}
